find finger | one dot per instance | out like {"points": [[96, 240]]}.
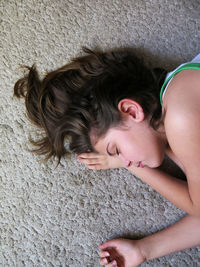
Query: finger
{"points": [[112, 264], [103, 261], [89, 161], [95, 167], [103, 254], [110, 243], [89, 155]]}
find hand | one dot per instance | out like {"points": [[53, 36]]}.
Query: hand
{"points": [[121, 253], [95, 161]]}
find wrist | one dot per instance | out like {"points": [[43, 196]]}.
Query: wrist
{"points": [[142, 249], [153, 247]]}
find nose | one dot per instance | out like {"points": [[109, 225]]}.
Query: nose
{"points": [[126, 161]]}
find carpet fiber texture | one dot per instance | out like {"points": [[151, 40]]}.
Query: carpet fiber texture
{"points": [[57, 217]]}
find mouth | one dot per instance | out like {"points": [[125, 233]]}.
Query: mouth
{"points": [[139, 165]]}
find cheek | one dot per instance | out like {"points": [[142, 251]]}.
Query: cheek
{"points": [[131, 152]]}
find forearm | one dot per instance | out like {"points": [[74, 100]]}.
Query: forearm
{"points": [[173, 189], [181, 235]]}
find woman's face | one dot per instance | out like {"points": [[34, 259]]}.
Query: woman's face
{"points": [[137, 144]]}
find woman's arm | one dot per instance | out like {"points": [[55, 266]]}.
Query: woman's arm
{"points": [[172, 188], [181, 235], [182, 125]]}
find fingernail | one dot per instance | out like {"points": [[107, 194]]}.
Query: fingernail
{"points": [[107, 254], [105, 261]]}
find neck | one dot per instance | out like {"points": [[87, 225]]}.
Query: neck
{"points": [[162, 135]]}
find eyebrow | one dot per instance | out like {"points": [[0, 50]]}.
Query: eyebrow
{"points": [[110, 154]]}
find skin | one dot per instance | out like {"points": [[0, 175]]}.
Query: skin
{"points": [[179, 137]]}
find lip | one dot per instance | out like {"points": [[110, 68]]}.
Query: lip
{"points": [[129, 164], [140, 165]]}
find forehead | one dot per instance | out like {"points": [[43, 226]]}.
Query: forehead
{"points": [[113, 135]]}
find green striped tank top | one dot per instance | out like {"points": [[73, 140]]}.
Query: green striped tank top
{"points": [[194, 64]]}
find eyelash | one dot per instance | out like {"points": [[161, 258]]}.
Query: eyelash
{"points": [[117, 151]]}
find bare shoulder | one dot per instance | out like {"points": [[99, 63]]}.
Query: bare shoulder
{"points": [[182, 119], [182, 101]]}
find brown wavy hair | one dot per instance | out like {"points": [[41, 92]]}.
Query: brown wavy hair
{"points": [[70, 102]]}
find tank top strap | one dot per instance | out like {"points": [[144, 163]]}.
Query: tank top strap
{"points": [[193, 65]]}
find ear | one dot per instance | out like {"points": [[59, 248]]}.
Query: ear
{"points": [[131, 108]]}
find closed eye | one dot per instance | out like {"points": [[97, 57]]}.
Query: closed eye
{"points": [[117, 151], [112, 154]]}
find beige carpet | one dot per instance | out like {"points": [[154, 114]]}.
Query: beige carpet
{"points": [[58, 217]]}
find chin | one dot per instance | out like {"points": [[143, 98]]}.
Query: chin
{"points": [[153, 166], [156, 164]]}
